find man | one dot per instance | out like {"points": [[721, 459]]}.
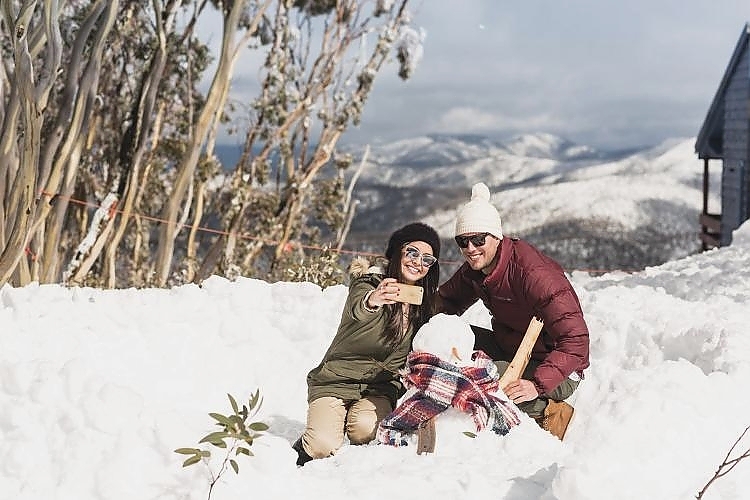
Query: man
{"points": [[516, 282]]}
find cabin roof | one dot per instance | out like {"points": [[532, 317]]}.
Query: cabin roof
{"points": [[709, 144]]}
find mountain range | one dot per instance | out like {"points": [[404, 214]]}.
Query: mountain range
{"points": [[591, 210]]}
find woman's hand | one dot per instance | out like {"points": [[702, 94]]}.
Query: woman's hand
{"points": [[385, 293]]}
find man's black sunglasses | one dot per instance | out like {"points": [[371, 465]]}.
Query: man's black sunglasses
{"points": [[476, 239]]}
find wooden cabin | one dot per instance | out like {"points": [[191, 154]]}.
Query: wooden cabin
{"points": [[725, 136]]}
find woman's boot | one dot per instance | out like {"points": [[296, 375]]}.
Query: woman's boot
{"points": [[302, 456]]}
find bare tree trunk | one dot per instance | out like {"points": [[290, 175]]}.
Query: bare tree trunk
{"points": [[29, 103], [74, 108], [350, 205], [87, 250], [191, 244], [60, 160], [214, 104], [135, 141], [337, 106], [293, 203], [51, 256], [33, 98], [9, 161]]}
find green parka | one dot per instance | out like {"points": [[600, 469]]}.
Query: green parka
{"points": [[359, 362]]}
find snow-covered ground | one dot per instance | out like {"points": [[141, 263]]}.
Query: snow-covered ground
{"points": [[97, 388]]}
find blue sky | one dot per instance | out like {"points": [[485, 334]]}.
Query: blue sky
{"points": [[605, 73]]}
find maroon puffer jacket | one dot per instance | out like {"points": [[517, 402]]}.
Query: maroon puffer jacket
{"points": [[526, 283]]}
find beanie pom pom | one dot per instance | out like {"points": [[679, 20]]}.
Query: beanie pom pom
{"points": [[480, 191], [479, 215]]}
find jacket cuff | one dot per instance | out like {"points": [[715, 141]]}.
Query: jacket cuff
{"points": [[364, 303], [539, 388]]}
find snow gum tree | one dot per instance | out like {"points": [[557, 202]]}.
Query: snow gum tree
{"points": [[107, 164], [287, 190]]}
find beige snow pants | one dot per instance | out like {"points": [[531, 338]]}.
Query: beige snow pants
{"points": [[329, 419]]}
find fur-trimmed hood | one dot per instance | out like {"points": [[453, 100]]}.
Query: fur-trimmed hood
{"points": [[361, 266]]}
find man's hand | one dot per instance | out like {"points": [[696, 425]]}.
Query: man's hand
{"points": [[520, 391]]}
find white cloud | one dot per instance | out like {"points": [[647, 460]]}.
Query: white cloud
{"points": [[471, 119], [466, 118], [560, 67]]}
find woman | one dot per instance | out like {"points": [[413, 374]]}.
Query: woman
{"points": [[357, 382]]}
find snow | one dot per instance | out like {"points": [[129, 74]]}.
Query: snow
{"points": [[622, 192], [443, 161], [97, 388]]}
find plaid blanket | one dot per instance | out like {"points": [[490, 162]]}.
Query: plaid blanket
{"points": [[439, 384]]}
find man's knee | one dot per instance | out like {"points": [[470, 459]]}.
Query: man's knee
{"points": [[564, 390], [501, 366], [536, 407]]}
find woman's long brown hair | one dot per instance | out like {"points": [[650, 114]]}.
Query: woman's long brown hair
{"points": [[419, 314]]}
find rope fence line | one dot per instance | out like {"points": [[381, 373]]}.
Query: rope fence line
{"points": [[113, 210]]}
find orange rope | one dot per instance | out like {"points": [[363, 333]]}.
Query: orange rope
{"points": [[114, 210]]}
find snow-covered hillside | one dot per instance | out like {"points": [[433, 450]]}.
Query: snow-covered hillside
{"points": [[589, 209], [441, 150], [626, 192], [443, 161]]}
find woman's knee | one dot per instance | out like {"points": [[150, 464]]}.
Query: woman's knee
{"points": [[325, 427], [364, 416], [362, 428], [321, 444]]}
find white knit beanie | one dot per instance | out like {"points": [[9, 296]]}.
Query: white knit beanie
{"points": [[479, 216]]}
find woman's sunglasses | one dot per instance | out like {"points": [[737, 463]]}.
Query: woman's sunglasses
{"points": [[426, 259], [476, 239]]}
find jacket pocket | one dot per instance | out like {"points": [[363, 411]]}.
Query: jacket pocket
{"points": [[349, 370]]}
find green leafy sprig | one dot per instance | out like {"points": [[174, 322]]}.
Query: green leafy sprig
{"points": [[236, 436]]}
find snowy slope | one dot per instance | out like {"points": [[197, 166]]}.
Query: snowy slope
{"points": [[589, 209], [621, 191]]}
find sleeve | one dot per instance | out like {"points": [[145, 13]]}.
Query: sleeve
{"points": [[355, 302], [456, 295], [561, 312]]}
